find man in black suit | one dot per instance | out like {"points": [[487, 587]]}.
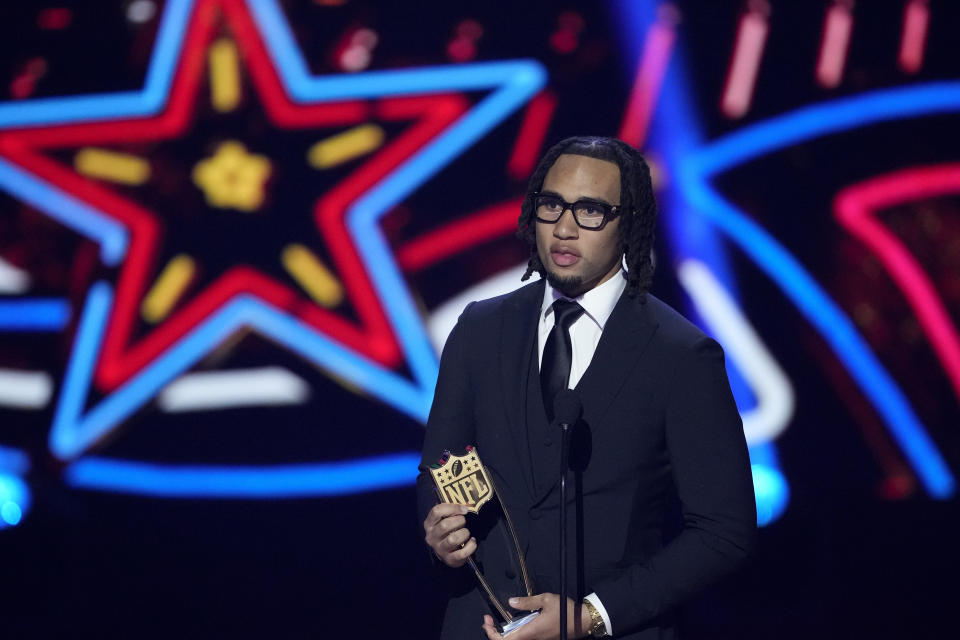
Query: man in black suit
{"points": [[659, 421]]}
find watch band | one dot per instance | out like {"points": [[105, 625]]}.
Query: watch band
{"points": [[597, 628]]}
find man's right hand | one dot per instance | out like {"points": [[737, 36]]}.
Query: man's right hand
{"points": [[447, 534]]}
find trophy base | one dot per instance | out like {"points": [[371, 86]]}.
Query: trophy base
{"points": [[516, 623]]}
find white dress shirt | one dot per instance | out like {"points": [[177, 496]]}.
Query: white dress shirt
{"points": [[598, 304]]}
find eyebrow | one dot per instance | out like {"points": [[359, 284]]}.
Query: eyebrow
{"points": [[587, 199]]}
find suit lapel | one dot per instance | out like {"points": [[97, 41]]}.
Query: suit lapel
{"points": [[518, 339], [625, 336]]}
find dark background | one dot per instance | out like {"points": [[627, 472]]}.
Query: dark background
{"points": [[862, 550]]}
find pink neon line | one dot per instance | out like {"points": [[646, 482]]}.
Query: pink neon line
{"points": [[837, 27], [855, 207], [744, 64], [454, 237], [646, 86], [913, 40], [533, 130]]}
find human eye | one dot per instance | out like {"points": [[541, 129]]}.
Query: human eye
{"points": [[591, 209], [550, 203]]}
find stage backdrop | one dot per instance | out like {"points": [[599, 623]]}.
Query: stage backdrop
{"points": [[234, 235]]}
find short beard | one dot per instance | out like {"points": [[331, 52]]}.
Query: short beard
{"points": [[569, 286]]}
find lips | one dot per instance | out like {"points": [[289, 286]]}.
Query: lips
{"points": [[564, 256]]}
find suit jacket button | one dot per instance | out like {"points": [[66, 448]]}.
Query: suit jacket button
{"points": [[535, 513], [510, 574], [548, 442]]}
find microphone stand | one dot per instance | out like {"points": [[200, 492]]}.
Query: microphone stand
{"points": [[564, 453], [567, 409]]}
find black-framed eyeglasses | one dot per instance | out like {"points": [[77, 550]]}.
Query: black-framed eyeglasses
{"points": [[588, 214]]}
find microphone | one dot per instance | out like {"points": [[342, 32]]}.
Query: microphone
{"points": [[567, 408]]}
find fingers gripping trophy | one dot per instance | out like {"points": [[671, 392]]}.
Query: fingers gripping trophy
{"points": [[463, 481]]}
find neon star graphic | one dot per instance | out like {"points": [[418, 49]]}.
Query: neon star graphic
{"points": [[695, 178], [365, 354]]}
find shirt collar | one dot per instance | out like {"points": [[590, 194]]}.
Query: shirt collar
{"points": [[598, 303]]}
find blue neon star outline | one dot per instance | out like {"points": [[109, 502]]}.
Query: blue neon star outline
{"points": [[701, 165], [512, 83], [696, 163]]}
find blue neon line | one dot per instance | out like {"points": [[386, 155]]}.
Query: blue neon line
{"points": [[452, 142], [80, 367], [13, 461], [819, 120], [675, 130], [765, 453], [34, 314], [283, 481], [400, 310], [143, 102], [42, 111], [383, 384], [66, 209], [163, 61], [835, 327], [363, 216], [423, 80], [281, 45], [288, 59], [772, 491], [73, 431], [84, 430]]}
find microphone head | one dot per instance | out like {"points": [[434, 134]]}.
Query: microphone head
{"points": [[567, 407]]}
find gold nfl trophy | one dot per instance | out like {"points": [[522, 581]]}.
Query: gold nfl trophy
{"points": [[464, 480]]}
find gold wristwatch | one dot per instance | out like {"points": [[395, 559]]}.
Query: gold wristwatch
{"points": [[597, 628]]}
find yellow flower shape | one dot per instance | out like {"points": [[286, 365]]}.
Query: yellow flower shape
{"points": [[233, 177]]}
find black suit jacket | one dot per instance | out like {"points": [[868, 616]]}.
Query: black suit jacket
{"points": [[659, 420]]}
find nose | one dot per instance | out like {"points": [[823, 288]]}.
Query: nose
{"points": [[566, 227]]}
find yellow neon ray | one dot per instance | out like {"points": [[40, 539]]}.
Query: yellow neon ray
{"points": [[224, 75], [345, 146], [312, 275], [168, 288], [111, 165]]}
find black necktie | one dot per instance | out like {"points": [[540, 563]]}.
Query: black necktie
{"points": [[558, 353]]}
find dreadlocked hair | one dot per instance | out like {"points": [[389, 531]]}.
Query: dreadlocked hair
{"points": [[636, 201]]}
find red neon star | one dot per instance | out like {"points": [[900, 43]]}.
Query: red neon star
{"points": [[121, 356]]}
